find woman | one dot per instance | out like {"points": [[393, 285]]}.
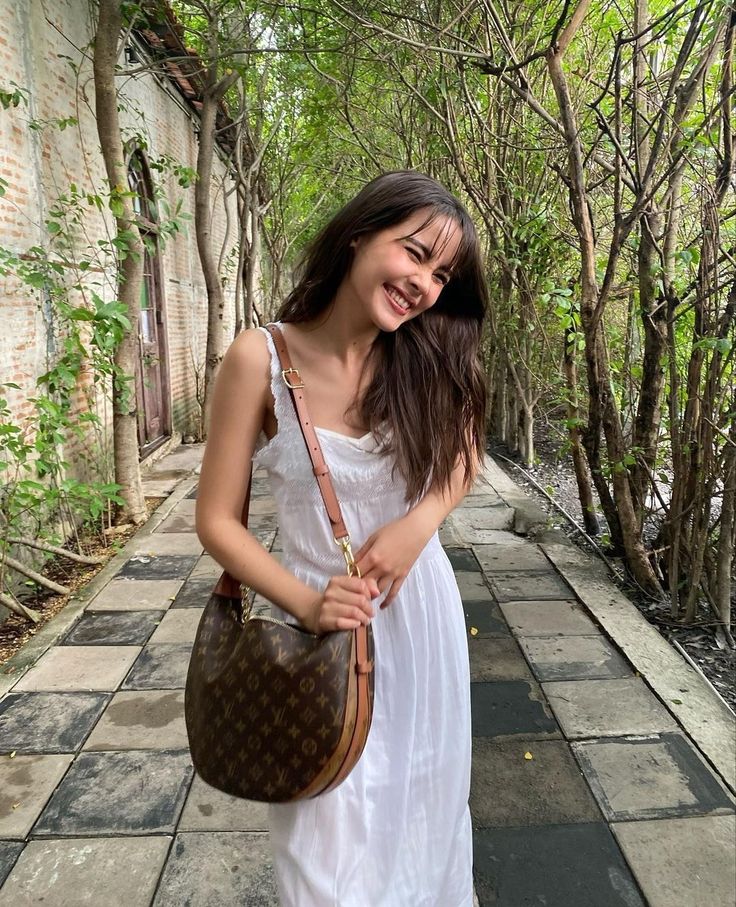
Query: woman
{"points": [[384, 326]]}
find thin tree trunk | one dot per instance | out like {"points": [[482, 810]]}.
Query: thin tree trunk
{"points": [[582, 476], [654, 317], [213, 93], [602, 410], [203, 229], [724, 557], [130, 268]]}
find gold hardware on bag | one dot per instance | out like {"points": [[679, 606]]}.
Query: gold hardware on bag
{"points": [[347, 553], [246, 604], [292, 371]]}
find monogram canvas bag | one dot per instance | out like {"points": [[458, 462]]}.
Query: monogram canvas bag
{"points": [[273, 712]]}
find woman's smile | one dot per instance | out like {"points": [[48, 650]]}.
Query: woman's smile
{"points": [[396, 299]]}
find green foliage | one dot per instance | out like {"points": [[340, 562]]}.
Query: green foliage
{"points": [[73, 276], [13, 97]]}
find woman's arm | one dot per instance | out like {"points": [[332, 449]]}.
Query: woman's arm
{"points": [[239, 406], [390, 553]]}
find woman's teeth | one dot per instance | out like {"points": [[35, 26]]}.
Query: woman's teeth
{"points": [[398, 299]]}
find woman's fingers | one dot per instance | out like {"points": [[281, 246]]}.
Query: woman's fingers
{"points": [[346, 603], [392, 592]]}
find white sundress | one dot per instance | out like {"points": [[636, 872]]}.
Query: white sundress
{"points": [[396, 832]]}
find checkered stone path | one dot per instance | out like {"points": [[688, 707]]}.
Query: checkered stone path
{"points": [[585, 791]]}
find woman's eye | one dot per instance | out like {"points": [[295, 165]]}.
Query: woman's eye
{"points": [[442, 278], [413, 252]]}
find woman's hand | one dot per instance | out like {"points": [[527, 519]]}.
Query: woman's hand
{"points": [[344, 605], [389, 554]]}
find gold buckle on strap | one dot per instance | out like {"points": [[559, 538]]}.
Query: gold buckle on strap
{"points": [[292, 371], [347, 553]]}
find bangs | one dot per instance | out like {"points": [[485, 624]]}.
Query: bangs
{"points": [[457, 219]]}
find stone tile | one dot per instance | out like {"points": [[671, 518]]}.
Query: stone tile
{"points": [[548, 618], [165, 566], [496, 659], [158, 488], [26, 783], [79, 668], [178, 626], [462, 559], [87, 872], [509, 789], [213, 869], [177, 524], [523, 556], [48, 722], [261, 606], [483, 496], [262, 506], [573, 658], [192, 496], [195, 592], [508, 587], [682, 862], [9, 851], [161, 667], [158, 543], [185, 506], [136, 595], [650, 778], [607, 708], [449, 535], [206, 566], [510, 707], [141, 720], [472, 586], [208, 809], [554, 865], [110, 628], [140, 792], [493, 516], [485, 618], [504, 539]]}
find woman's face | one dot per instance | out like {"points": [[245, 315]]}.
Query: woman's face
{"points": [[399, 272]]}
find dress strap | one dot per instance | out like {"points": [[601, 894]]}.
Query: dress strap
{"points": [[283, 410]]}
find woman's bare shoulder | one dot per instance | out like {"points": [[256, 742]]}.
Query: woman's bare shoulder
{"points": [[248, 359]]}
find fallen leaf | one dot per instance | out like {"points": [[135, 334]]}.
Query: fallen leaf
{"points": [[528, 755], [12, 755], [473, 631], [676, 701], [16, 805]]}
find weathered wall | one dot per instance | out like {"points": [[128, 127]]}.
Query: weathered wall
{"points": [[39, 165]]}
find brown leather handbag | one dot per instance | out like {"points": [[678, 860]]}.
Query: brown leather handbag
{"points": [[273, 712]]}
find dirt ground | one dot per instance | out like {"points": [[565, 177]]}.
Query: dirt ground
{"points": [[553, 472], [15, 631]]}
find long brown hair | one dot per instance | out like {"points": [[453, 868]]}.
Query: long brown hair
{"points": [[427, 394]]}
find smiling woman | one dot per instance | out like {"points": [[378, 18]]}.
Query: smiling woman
{"points": [[425, 242], [384, 328]]}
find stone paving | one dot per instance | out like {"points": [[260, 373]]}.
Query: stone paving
{"points": [[586, 792]]}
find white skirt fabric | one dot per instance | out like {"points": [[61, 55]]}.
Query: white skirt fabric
{"points": [[396, 832]]}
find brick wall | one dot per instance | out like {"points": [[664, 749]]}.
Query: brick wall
{"points": [[40, 165]]}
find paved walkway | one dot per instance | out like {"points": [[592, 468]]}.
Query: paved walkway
{"points": [[591, 785]]}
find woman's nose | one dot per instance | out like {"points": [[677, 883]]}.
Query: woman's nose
{"points": [[420, 282]]}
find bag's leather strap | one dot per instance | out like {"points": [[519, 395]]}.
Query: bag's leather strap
{"points": [[293, 381]]}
